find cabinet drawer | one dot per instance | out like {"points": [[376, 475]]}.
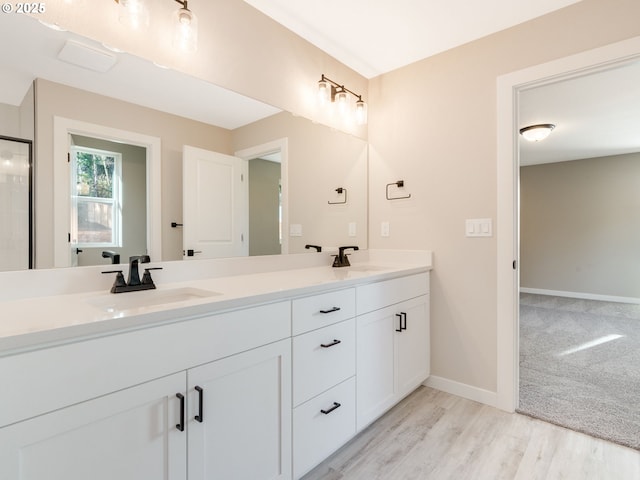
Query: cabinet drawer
{"points": [[319, 362], [381, 294], [315, 312], [316, 434]]}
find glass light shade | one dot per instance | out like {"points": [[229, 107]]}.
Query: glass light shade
{"points": [[342, 101], [185, 34], [361, 112], [535, 133], [324, 92], [133, 14]]}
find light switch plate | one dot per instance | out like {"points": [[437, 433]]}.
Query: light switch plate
{"points": [[352, 229], [384, 229], [479, 227]]}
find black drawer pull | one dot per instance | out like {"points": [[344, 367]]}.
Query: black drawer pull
{"points": [[327, 345], [334, 309], [180, 426], [399, 315], [327, 412], [404, 317], [200, 416]]}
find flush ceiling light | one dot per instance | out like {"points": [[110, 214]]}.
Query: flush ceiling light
{"points": [[185, 34], [535, 133], [330, 91]]}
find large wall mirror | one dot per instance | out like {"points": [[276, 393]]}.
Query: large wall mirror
{"points": [[109, 133]]}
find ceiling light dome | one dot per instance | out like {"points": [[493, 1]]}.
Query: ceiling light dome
{"points": [[535, 133]]}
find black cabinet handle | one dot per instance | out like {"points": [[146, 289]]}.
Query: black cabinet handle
{"points": [[399, 315], [180, 426], [327, 345], [404, 317], [200, 416], [327, 412], [334, 309]]}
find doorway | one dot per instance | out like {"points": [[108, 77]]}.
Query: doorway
{"points": [[508, 87], [63, 130], [268, 197]]}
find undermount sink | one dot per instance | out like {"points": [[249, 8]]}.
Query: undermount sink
{"points": [[121, 302]]}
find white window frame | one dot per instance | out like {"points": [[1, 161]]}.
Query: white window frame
{"points": [[115, 201]]}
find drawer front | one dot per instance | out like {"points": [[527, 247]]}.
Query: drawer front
{"points": [[311, 313], [323, 358], [316, 434], [381, 294]]}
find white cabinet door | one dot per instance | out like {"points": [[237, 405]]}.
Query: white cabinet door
{"points": [[374, 365], [412, 345], [393, 353], [244, 407], [128, 435]]}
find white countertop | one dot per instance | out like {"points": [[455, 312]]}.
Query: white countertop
{"points": [[44, 320]]}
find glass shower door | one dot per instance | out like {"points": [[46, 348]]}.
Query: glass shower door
{"points": [[15, 204]]}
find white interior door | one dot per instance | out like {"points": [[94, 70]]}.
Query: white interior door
{"points": [[215, 204]]}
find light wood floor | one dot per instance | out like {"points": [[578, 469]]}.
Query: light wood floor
{"points": [[434, 435]]}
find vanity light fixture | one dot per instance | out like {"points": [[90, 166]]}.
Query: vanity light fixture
{"points": [[185, 34], [133, 13], [330, 91], [535, 133]]}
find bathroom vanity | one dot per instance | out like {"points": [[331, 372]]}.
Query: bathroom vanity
{"points": [[244, 376]]}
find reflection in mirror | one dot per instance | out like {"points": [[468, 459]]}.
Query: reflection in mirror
{"points": [[105, 176], [15, 204], [141, 99]]}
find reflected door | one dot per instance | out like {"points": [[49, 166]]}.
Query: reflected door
{"points": [[15, 204], [215, 204]]}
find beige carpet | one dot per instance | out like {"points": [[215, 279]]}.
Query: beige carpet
{"points": [[580, 365]]}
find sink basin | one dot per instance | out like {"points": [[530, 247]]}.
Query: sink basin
{"points": [[121, 302]]}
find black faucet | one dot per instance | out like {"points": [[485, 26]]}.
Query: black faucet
{"points": [[115, 257], [134, 283], [341, 259], [317, 247]]}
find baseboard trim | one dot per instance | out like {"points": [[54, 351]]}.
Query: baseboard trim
{"points": [[584, 296], [463, 390]]}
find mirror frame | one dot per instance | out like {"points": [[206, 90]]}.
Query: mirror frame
{"points": [[62, 128]]}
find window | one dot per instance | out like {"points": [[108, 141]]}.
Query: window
{"points": [[96, 204]]}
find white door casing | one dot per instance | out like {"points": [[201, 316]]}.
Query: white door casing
{"points": [[62, 128], [215, 204]]}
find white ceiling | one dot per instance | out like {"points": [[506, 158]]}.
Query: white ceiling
{"points": [[377, 36], [595, 115]]}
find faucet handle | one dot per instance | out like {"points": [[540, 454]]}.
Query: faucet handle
{"points": [[146, 278], [119, 281]]}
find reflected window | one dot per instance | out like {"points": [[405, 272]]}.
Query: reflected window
{"points": [[96, 216]]}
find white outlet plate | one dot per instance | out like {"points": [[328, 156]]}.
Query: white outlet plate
{"points": [[352, 229], [384, 229]]}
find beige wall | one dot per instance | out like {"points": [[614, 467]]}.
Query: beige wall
{"points": [[320, 160], [580, 226], [17, 121], [433, 124], [59, 100]]}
